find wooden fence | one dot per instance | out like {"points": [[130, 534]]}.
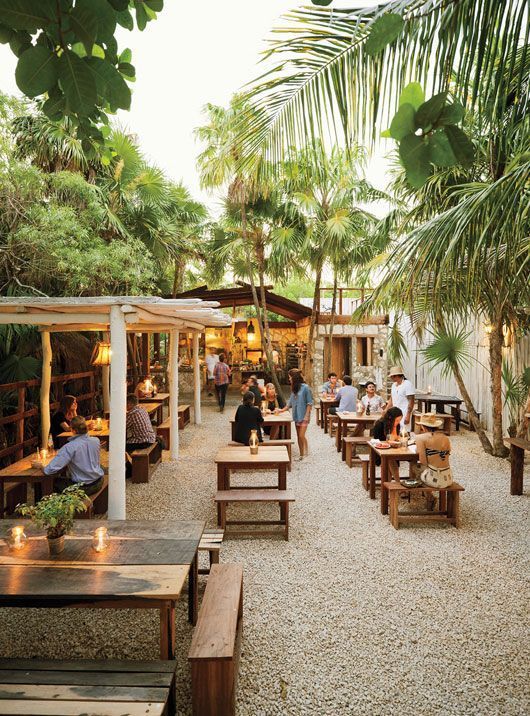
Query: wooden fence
{"points": [[19, 430], [476, 374]]}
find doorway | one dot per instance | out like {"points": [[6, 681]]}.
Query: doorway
{"points": [[340, 355]]}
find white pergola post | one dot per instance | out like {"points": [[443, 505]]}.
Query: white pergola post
{"points": [[118, 408], [196, 380], [174, 394], [105, 381], [45, 388]]}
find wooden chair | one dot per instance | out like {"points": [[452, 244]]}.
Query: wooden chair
{"points": [[144, 462], [97, 687], [216, 643], [211, 542], [283, 497]]}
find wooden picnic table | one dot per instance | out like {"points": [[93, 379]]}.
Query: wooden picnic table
{"points": [[427, 400], [160, 399], [386, 454], [22, 471], [144, 567], [102, 434], [282, 421], [325, 405], [349, 418], [152, 408]]}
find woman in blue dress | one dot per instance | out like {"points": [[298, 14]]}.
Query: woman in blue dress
{"points": [[300, 402]]}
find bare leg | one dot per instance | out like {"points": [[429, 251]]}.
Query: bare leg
{"points": [[302, 440], [393, 467]]}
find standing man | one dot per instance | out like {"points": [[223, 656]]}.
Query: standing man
{"points": [[221, 377], [211, 359], [402, 395]]}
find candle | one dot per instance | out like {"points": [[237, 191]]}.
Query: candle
{"points": [[18, 538], [429, 389], [38, 454], [99, 424], [101, 539], [44, 454]]}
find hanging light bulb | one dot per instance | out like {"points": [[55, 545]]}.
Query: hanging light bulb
{"points": [[101, 354]]}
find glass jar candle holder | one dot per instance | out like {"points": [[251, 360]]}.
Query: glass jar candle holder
{"points": [[101, 539], [17, 538]]}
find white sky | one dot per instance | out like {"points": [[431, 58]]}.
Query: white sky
{"points": [[193, 54]]}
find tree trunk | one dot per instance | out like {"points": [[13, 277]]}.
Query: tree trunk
{"points": [[178, 277], [496, 340], [327, 368], [524, 421], [308, 367], [267, 343], [132, 360], [472, 413]]}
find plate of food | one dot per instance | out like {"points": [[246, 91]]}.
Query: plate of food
{"points": [[382, 445], [411, 483]]}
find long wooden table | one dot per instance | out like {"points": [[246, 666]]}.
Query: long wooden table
{"points": [[345, 419], [386, 454], [160, 399], [427, 400], [325, 405], [144, 567], [283, 421], [102, 434]]}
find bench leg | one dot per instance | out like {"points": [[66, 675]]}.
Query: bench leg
{"points": [[365, 475], [290, 453], [140, 469], [394, 509], [221, 514], [193, 591], [453, 507], [517, 469], [286, 518], [167, 632], [349, 455]]}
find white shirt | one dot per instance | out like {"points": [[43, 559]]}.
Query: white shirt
{"points": [[376, 403], [400, 395], [211, 360]]}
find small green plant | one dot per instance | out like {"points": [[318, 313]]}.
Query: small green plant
{"points": [[56, 512]]}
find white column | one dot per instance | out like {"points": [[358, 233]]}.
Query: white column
{"points": [[174, 394], [196, 380], [118, 407], [45, 388]]}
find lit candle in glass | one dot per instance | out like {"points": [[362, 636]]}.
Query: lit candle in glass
{"points": [[101, 539], [359, 407], [253, 442], [17, 539], [99, 424], [429, 389], [44, 454]]}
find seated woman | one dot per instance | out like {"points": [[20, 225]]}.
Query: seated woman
{"points": [[372, 399], [61, 420], [273, 402], [434, 448], [248, 418], [388, 428], [145, 388]]}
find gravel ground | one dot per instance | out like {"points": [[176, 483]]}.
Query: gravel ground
{"points": [[349, 616]]}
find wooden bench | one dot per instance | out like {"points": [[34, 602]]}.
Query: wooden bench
{"points": [[317, 415], [144, 462], [216, 643], [164, 429], [365, 463], [446, 417], [288, 444], [448, 508], [87, 686], [349, 449], [518, 446], [211, 541], [98, 502], [283, 497], [332, 425]]}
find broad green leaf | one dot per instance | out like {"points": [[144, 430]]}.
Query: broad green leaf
{"points": [[440, 150], [126, 55], [460, 144], [106, 19], [5, 34], [158, 5], [119, 4], [98, 51], [429, 111], [151, 14], [84, 22], [125, 19], [54, 107], [386, 134], [141, 15], [403, 122], [36, 71], [79, 49], [110, 84], [127, 69], [414, 153], [384, 31], [20, 42], [412, 94], [27, 14], [451, 114], [77, 82]]}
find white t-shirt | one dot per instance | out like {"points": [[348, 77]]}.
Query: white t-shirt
{"points": [[400, 394], [211, 360], [376, 403]]}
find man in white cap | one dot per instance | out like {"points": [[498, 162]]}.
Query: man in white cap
{"points": [[402, 395]]}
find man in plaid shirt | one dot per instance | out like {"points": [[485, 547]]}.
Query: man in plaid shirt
{"points": [[221, 378], [140, 433]]}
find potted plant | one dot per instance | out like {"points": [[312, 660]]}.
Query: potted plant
{"points": [[56, 513]]}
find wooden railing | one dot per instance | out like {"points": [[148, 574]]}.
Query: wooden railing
{"points": [[359, 296], [27, 393]]}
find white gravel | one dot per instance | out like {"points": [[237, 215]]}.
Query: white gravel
{"points": [[349, 616]]}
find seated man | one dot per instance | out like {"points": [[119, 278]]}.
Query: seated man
{"points": [[330, 387], [80, 456], [347, 397], [255, 390], [138, 428]]}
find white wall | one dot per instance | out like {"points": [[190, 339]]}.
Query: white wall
{"points": [[476, 376]]}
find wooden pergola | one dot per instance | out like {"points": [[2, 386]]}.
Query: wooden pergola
{"points": [[118, 315]]}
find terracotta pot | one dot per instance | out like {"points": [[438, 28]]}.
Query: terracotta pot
{"points": [[56, 544]]}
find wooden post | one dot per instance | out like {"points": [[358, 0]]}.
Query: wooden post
{"points": [[196, 380], [146, 358], [156, 346], [174, 394], [118, 407], [45, 388]]}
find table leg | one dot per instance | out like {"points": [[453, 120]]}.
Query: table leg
{"points": [[457, 417], [288, 430], [384, 491], [372, 474], [282, 485], [338, 435], [193, 591], [221, 481], [517, 469], [167, 632], [2, 498], [325, 417], [442, 501], [233, 430]]}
